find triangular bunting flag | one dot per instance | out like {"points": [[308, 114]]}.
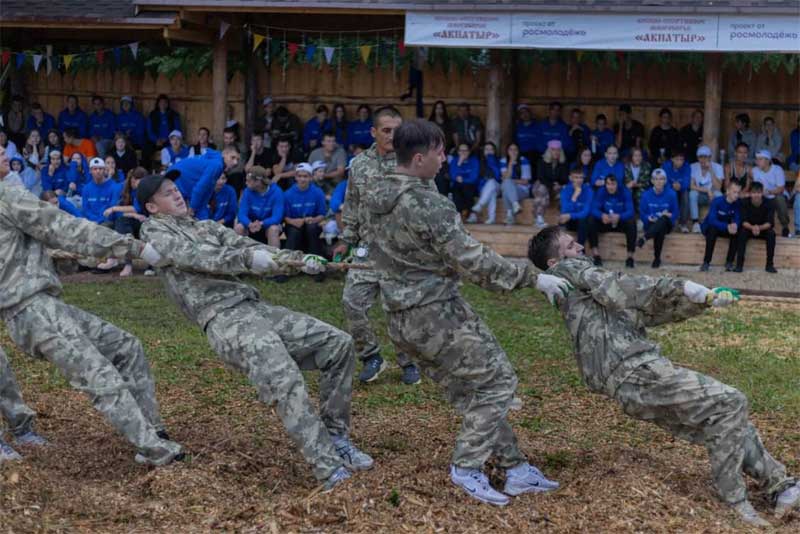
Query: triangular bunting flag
{"points": [[117, 55], [579, 55], [134, 49], [310, 51], [365, 51], [401, 46], [6, 57], [37, 60], [223, 28], [20, 59], [329, 54], [257, 40], [292, 49], [68, 61], [100, 55]]}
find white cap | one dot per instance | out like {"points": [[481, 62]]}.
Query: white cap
{"points": [[126, 98], [764, 154], [523, 106], [318, 165], [658, 173], [267, 100], [704, 151], [305, 167], [176, 133], [97, 162]]}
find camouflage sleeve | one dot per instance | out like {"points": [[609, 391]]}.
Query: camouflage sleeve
{"points": [[57, 229], [350, 233]]}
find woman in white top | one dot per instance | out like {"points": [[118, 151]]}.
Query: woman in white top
{"points": [[706, 184]]}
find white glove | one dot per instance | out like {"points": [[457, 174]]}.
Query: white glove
{"points": [[552, 286], [150, 255], [313, 264], [695, 292], [263, 262]]}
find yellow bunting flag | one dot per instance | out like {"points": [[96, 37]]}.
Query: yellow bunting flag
{"points": [[579, 55], [257, 40], [365, 51], [68, 60]]}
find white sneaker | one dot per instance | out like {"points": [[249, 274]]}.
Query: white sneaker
{"points": [[472, 219], [488, 221], [7, 453], [109, 264], [149, 272], [477, 486], [509, 218], [525, 478], [749, 515], [639, 226], [684, 229], [516, 208], [696, 228], [476, 208], [788, 500], [540, 222]]}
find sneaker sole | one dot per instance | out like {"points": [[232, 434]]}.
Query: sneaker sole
{"points": [[374, 377], [531, 489], [485, 501]]}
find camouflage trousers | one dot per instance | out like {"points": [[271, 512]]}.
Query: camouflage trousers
{"points": [[17, 414], [271, 345], [702, 410], [99, 359], [454, 347], [361, 290]]}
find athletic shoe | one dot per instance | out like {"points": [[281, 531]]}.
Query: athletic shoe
{"points": [[354, 459], [489, 221], [540, 222], [788, 500], [684, 229], [171, 452], [640, 242], [705, 267], [771, 269], [525, 478], [30, 439], [373, 367], [476, 208], [411, 375], [629, 263], [738, 269], [749, 515], [472, 219], [515, 404], [785, 232], [696, 228], [509, 218], [476, 484], [598, 261], [729, 267], [656, 263], [7, 453], [280, 279], [336, 478], [126, 271], [149, 272], [516, 208]]}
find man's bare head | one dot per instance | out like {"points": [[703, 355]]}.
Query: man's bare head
{"points": [[551, 245]]}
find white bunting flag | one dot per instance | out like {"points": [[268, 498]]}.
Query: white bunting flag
{"points": [[37, 60], [134, 49], [223, 28], [329, 54]]}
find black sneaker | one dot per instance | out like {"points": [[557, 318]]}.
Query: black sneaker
{"points": [[785, 231], [771, 269], [738, 269], [280, 279], [410, 375], [729, 267], [640, 242], [629, 263], [598, 261], [704, 268], [656, 263]]}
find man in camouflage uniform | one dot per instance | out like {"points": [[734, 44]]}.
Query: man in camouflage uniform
{"points": [[606, 313], [96, 357], [422, 249], [16, 413], [361, 286], [270, 344]]}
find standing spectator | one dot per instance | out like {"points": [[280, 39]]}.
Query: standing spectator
{"points": [[102, 125], [285, 163], [15, 120], [7, 144], [664, 138], [29, 177], [54, 174], [442, 119], [773, 179], [124, 155], [54, 142], [515, 173], [579, 133], [73, 117], [197, 177], [706, 184], [724, 219], [628, 132], [489, 185], [585, 164], [224, 203], [551, 176], [602, 136], [39, 120], [131, 123], [266, 121], [334, 158], [610, 164], [204, 142], [525, 132], [637, 175], [658, 211], [175, 151], [738, 170], [260, 156], [771, 140], [758, 221], [340, 124], [128, 217], [553, 127], [464, 179], [33, 150], [359, 131], [75, 143], [679, 178], [576, 203], [692, 136], [794, 147], [467, 129], [261, 209], [286, 126], [612, 211], [315, 127], [743, 134], [304, 210], [160, 122]]}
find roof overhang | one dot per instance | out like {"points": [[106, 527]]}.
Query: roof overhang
{"points": [[145, 20]]}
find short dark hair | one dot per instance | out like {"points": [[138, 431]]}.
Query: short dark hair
{"points": [[72, 96], [555, 104], [744, 118], [740, 144], [96, 98], [206, 130], [770, 119], [386, 111], [321, 108], [37, 105], [229, 129], [416, 136], [284, 139], [70, 132], [364, 106], [601, 116], [756, 186], [329, 133], [665, 110], [257, 134], [678, 152], [611, 177], [625, 108], [544, 246], [577, 110]]}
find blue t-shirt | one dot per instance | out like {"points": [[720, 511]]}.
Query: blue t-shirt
{"points": [[526, 136], [359, 133], [605, 138], [337, 198], [102, 125], [314, 130], [603, 169], [620, 203], [226, 205], [267, 207], [198, 177], [132, 125], [97, 198], [547, 132], [721, 214], [579, 209], [469, 170], [77, 120], [59, 179], [48, 123], [683, 175], [654, 204], [299, 204]]}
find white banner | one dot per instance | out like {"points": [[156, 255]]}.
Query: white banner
{"points": [[604, 31]]}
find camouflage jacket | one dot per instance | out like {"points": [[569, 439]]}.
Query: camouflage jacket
{"points": [[606, 315], [421, 247], [365, 168], [27, 228], [200, 263]]}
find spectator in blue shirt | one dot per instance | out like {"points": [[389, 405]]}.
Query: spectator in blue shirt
{"points": [[489, 185], [78, 174], [175, 151], [99, 196], [576, 203], [579, 133], [553, 127], [261, 209], [332, 228], [112, 172], [224, 203], [525, 132], [359, 132], [54, 174], [602, 136], [464, 179], [658, 210], [610, 164], [315, 127], [73, 117], [160, 122], [39, 120], [723, 220], [515, 184], [794, 147], [128, 217], [612, 211], [196, 177], [102, 126], [679, 178], [130, 122], [304, 211]]}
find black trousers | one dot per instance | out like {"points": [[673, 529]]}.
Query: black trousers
{"points": [[580, 226], [745, 235], [261, 235], [305, 238], [596, 227], [712, 234], [657, 231], [443, 182], [464, 195]]}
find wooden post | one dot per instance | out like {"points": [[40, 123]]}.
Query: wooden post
{"points": [[219, 84], [494, 101], [250, 92], [713, 102]]}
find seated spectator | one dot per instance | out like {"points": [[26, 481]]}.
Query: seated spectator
{"points": [[102, 125], [758, 221], [628, 132], [78, 174], [99, 196], [34, 150], [334, 158], [551, 176], [196, 178], [39, 120], [464, 179], [359, 131], [7, 144], [664, 138], [739, 171], [773, 179], [315, 127], [73, 117], [796, 194], [339, 125], [610, 164], [442, 119], [333, 228], [679, 178], [287, 125], [131, 123], [203, 142], [54, 142], [576, 203], [259, 155], [488, 186], [175, 151], [224, 205], [724, 219], [29, 177], [585, 164], [771, 140], [743, 134], [637, 175], [73, 143], [159, 124], [54, 175], [692, 136], [602, 136], [318, 174], [525, 132], [658, 211], [15, 119], [705, 185], [612, 211], [515, 174], [579, 133], [304, 210], [467, 129], [553, 128], [124, 155], [261, 209], [285, 164], [128, 217], [112, 172], [230, 137], [794, 147]]}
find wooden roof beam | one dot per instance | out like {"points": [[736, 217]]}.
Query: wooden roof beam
{"points": [[205, 37]]}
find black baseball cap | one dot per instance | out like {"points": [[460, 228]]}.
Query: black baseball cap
{"points": [[149, 186]]}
